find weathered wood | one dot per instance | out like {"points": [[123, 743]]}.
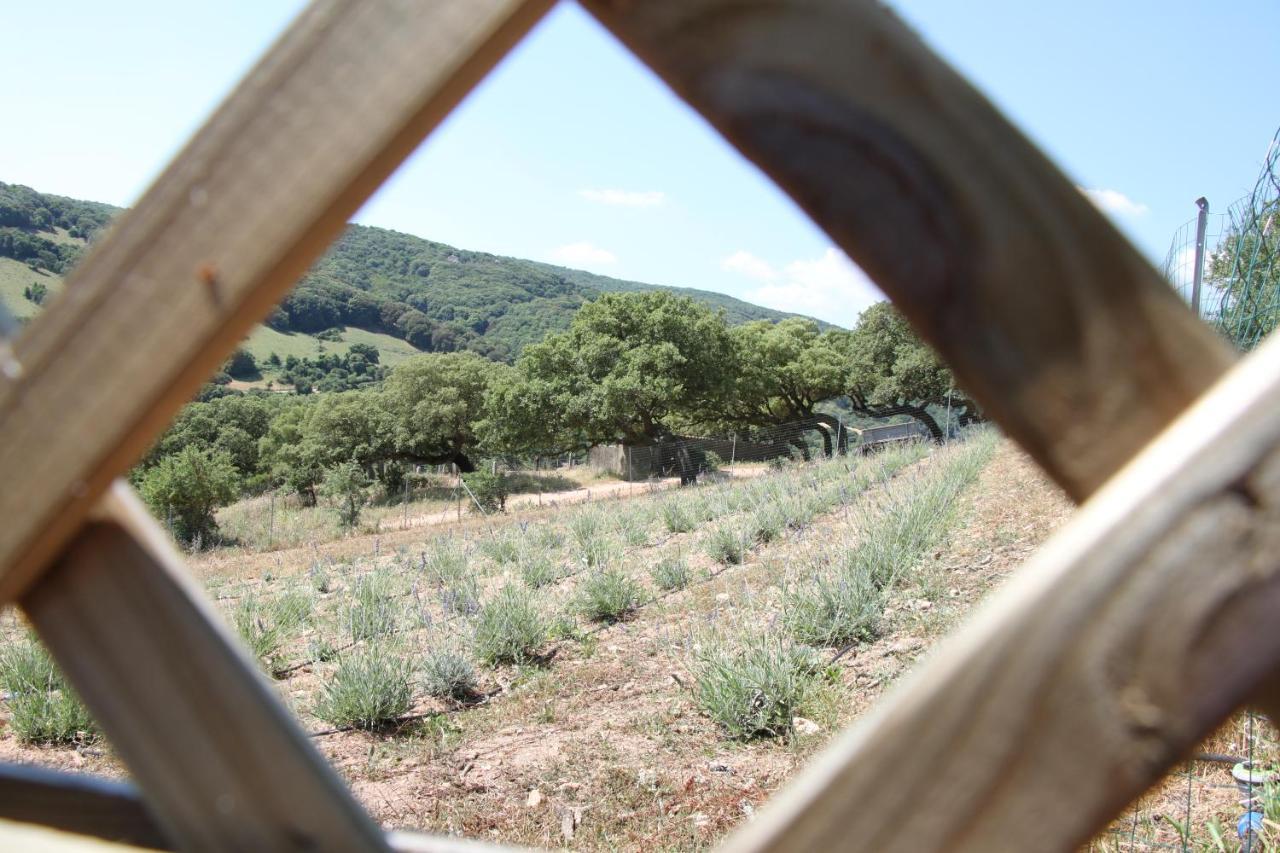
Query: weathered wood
{"points": [[40, 839], [334, 107], [1064, 334], [223, 765], [72, 802], [1135, 631], [114, 811]]}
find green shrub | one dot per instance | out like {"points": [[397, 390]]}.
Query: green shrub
{"points": [[671, 573], [608, 595], [538, 570], [347, 486], [768, 522], [267, 624], [25, 667], [503, 547], [370, 688], [447, 673], [586, 527], [373, 608], [50, 717], [725, 545], [445, 563], [676, 517], [828, 610], [756, 690], [183, 490], [489, 490], [42, 706], [509, 628]]}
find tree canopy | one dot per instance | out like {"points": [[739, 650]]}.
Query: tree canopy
{"points": [[631, 368], [891, 371], [433, 404]]}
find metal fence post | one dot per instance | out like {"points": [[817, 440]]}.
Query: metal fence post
{"points": [[1197, 275]]}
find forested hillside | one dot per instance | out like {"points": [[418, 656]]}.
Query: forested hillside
{"points": [[432, 297]]}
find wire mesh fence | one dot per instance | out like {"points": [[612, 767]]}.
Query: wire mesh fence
{"points": [[1237, 258], [1225, 798]]}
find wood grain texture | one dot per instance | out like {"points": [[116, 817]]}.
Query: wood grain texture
{"points": [[223, 765], [340, 100], [76, 803], [30, 838], [1127, 639], [1055, 324]]}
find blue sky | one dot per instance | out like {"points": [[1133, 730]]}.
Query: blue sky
{"points": [[572, 152]]}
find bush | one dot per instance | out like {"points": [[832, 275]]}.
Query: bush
{"points": [[538, 570], [676, 517], [266, 627], [185, 488], [347, 486], [447, 673], [369, 689], [608, 596], [768, 522], [25, 667], [725, 545], [373, 611], [671, 573], [509, 628], [446, 563], [489, 490], [832, 611], [242, 365], [502, 548], [42, 706], [755, 691]]}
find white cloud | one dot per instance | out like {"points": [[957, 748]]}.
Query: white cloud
{"points": [[747, 264], [829, 287], [1114, 201], [625, 198], [583, 254]]}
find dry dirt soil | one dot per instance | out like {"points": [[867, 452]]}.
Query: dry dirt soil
{"points": [[605, 748]]}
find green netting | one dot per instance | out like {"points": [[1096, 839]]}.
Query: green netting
{"points": [[1240, 294]]}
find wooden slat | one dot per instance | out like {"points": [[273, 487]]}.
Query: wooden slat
{"points": [[1058, 327], [72, 802], [114, 811], [223, 765], [334, 107], [39, 839], [1135, 631]]}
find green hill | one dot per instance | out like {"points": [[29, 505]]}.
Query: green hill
{"points": [[397, 292]]}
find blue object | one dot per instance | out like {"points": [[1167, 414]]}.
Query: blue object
{"points": [[1249, 822]]}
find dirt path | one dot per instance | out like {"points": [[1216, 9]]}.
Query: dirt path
{"points": [[609, 490]]}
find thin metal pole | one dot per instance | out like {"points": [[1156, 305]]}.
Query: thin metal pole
{"points": [[271, 522], [1197, 275]]}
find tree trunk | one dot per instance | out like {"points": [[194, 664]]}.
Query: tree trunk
{"points": [[923, 416], [824, 431], [832, 425], [465, 465]]}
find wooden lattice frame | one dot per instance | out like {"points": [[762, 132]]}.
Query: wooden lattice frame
{"points": [[1126, 640]]}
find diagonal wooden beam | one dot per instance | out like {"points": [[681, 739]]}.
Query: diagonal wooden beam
{"points": [[76, 803], [339, 101], [114, 811], [223, 764], [1064, 334]]}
